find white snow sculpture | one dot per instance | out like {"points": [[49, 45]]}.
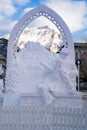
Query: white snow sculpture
{"points": [[36, 70]]}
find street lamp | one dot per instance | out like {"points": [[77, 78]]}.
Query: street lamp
{"points": [[78, 62]]}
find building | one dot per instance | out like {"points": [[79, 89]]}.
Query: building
{"points": [[3, 59], [81, 55]]}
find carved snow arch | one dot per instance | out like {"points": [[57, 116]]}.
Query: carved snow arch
{"points": [[27, 19]]}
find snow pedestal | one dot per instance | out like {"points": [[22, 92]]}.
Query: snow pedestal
{"points": [[74, 100]]}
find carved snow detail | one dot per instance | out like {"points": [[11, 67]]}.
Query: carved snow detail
{"points": [[28, 18]]}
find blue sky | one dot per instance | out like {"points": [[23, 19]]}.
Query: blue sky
{"points": [[73, 12]]}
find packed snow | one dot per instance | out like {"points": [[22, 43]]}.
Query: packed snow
{"points": [[38, 71]]}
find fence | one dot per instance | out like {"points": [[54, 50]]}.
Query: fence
{"points": [[36, 118]]}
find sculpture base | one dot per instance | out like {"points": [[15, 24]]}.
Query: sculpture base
{"points": [[65, 100]]}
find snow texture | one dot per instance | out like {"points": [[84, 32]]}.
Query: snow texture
{"points": [[40, 72]]}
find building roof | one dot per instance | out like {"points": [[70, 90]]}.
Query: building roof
{"points": [[80, 45]]}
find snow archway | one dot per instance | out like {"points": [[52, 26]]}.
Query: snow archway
{"points": [[27, 19], [44, 67]]}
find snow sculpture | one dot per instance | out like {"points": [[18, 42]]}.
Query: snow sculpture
{"points": [[36, 70]]}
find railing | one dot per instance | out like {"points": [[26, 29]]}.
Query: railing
{"points": [[36, 118]]}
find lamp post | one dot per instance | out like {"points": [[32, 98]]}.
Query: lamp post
{"points": [[78, 66], [78, 62]]}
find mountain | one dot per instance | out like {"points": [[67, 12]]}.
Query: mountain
{"points": [[44, 35]]}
